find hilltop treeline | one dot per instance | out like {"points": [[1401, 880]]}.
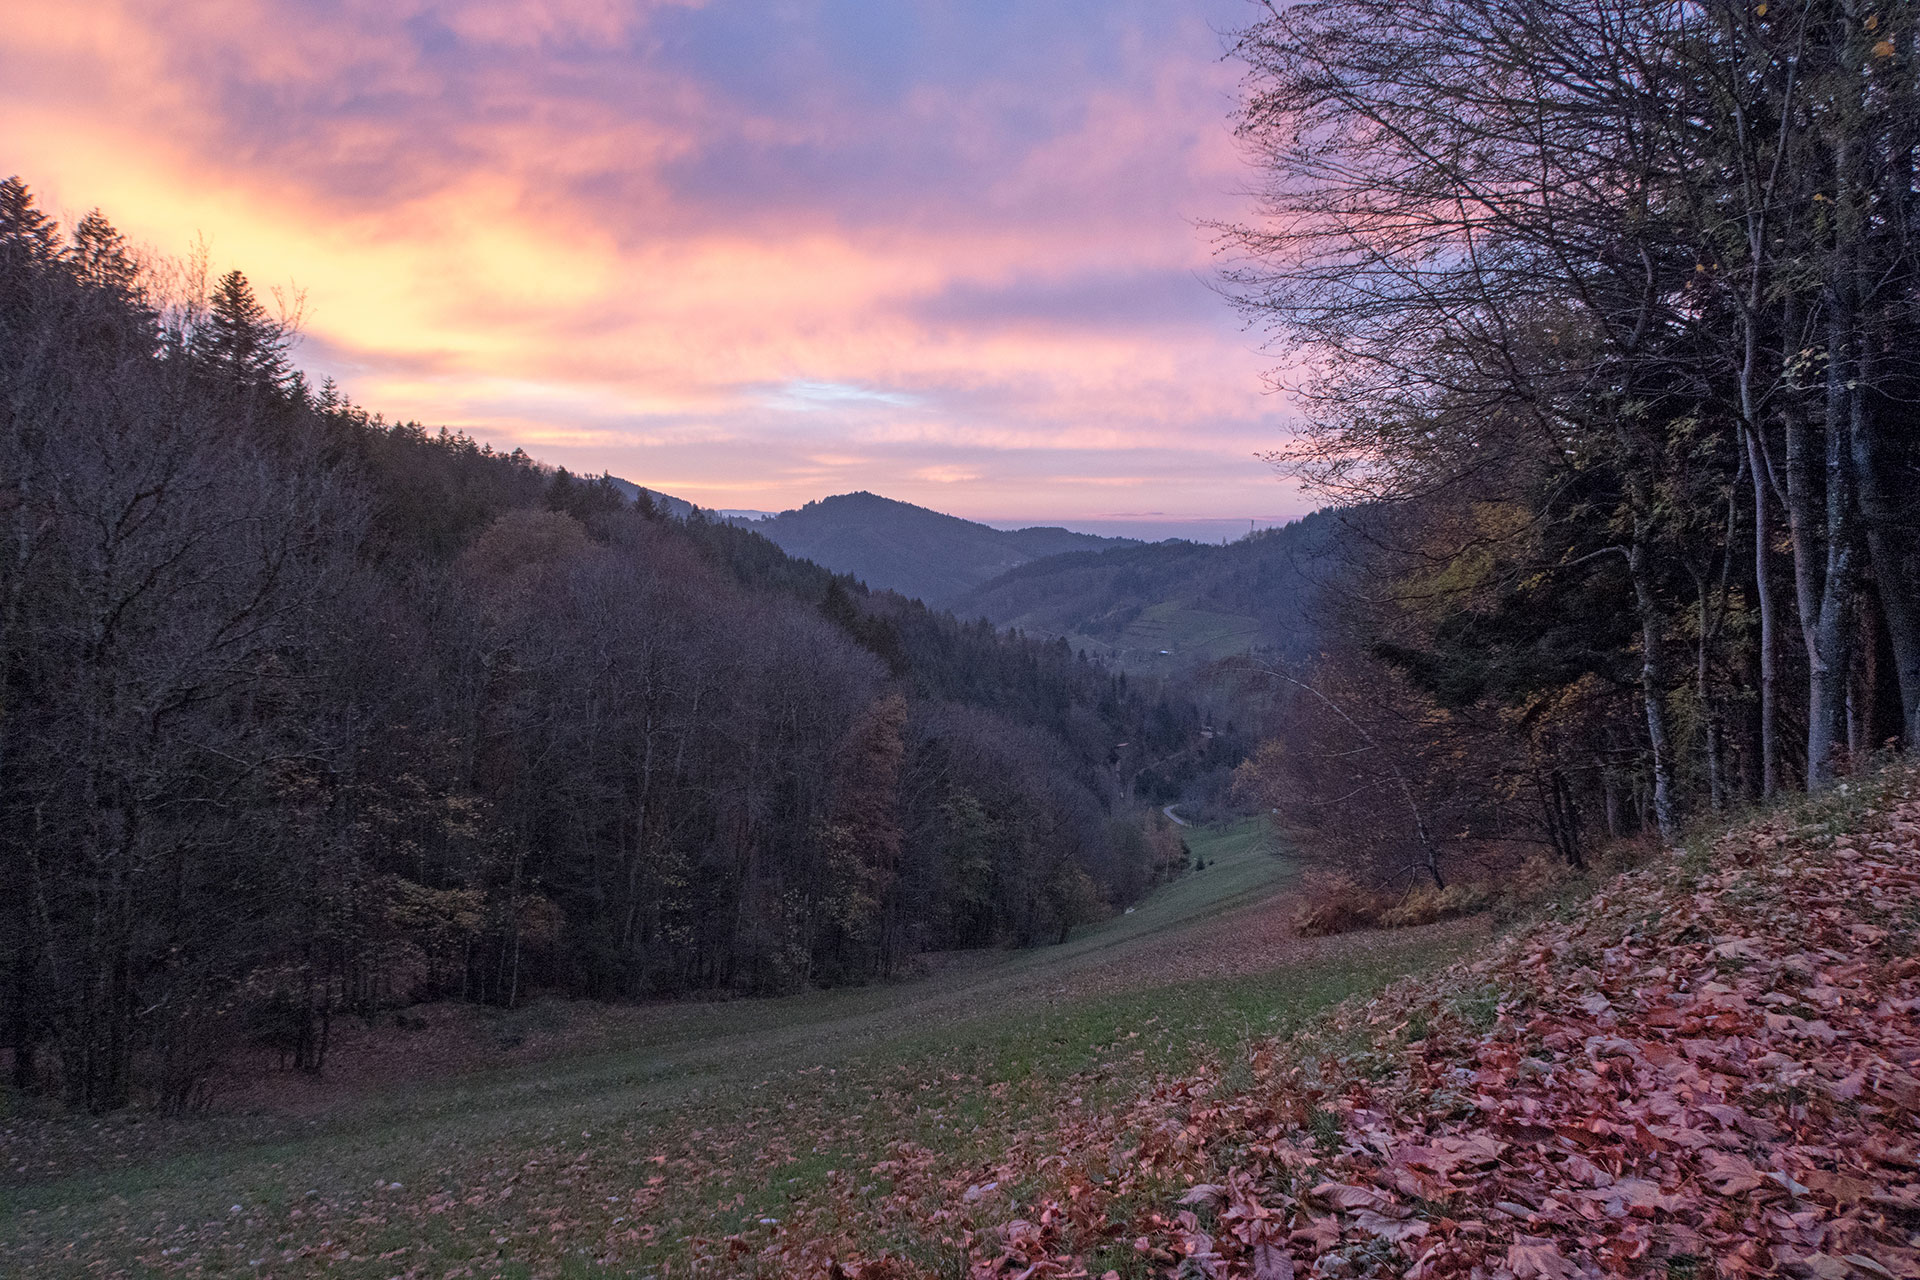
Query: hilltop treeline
{"points": [[1606, 318], [305, 713]]}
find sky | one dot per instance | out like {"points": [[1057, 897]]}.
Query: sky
{"points": [[747, 253]]}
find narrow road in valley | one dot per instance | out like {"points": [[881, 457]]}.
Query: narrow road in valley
{"points": [[1177, 820]]}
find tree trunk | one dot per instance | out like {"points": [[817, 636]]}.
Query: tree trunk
{"points": [[1821, 581], [1889, 554], [1610, 794], [1712, 730], [1716, 753], [1849, 441], [1763, 592], [1653, 683], [1830, 629]]}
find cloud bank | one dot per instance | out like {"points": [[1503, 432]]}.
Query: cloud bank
{"points": [[749, 253]]}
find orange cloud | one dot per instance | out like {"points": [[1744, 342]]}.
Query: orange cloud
{"points": [[553, 225]]}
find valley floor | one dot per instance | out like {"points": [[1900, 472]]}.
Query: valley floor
{"points": [[742, 1137]]}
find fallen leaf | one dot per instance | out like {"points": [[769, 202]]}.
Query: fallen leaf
{"points": [[1537, 1258], [1631, 1194], [1385, 1228], [1730, 1174], [1344, 1195], [1271, 1262], [1786, 1180]]}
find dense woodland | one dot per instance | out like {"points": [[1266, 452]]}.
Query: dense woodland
{"points": [[306, 714], [1604, 316]]}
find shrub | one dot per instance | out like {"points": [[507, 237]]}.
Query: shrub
{"points": [[1340, 904], [1337, 904], [1427, 905]]}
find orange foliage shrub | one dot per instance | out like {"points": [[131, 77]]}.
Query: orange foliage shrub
{"points": [[1339, 904]]}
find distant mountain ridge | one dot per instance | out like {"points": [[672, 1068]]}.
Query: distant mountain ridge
{"points": [[1144, 607], [920, 553], [1164, 605]]}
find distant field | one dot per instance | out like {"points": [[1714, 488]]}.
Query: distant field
{"points": [[1185, 634], [682, 1126]]}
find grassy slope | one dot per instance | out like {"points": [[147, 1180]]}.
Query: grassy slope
{"points": [[1708, 1066], [698, 1122], [1186, 634]]}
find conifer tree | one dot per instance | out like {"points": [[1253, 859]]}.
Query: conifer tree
{"points": [[241, 340]]}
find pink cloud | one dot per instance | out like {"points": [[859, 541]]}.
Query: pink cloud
{"points": [[573, 225]]}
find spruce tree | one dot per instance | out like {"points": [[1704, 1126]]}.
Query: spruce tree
{"points": [[242, 341]]}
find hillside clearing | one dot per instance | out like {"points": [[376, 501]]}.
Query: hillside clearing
{"points": [[689, 1132]]}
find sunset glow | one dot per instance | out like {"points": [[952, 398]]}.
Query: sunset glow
{"points": [[744, 253]]}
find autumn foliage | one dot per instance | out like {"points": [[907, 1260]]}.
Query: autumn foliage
{"points": [[1711, 1068], [1600, 318]]}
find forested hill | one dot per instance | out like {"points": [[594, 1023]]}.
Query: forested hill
{"points": [[664, 503], [917, 552], [1166, 605], [306, 712]]}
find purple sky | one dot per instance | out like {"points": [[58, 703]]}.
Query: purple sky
{"points": [[747, 253]]}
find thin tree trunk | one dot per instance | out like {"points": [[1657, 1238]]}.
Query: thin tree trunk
{"points": [[1710, 713], [1862, 681], [1847, 290], [1831, 632], [1610, 794], [1653, 683], [1712, 612], [1763, 592], [1815, 590]]}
